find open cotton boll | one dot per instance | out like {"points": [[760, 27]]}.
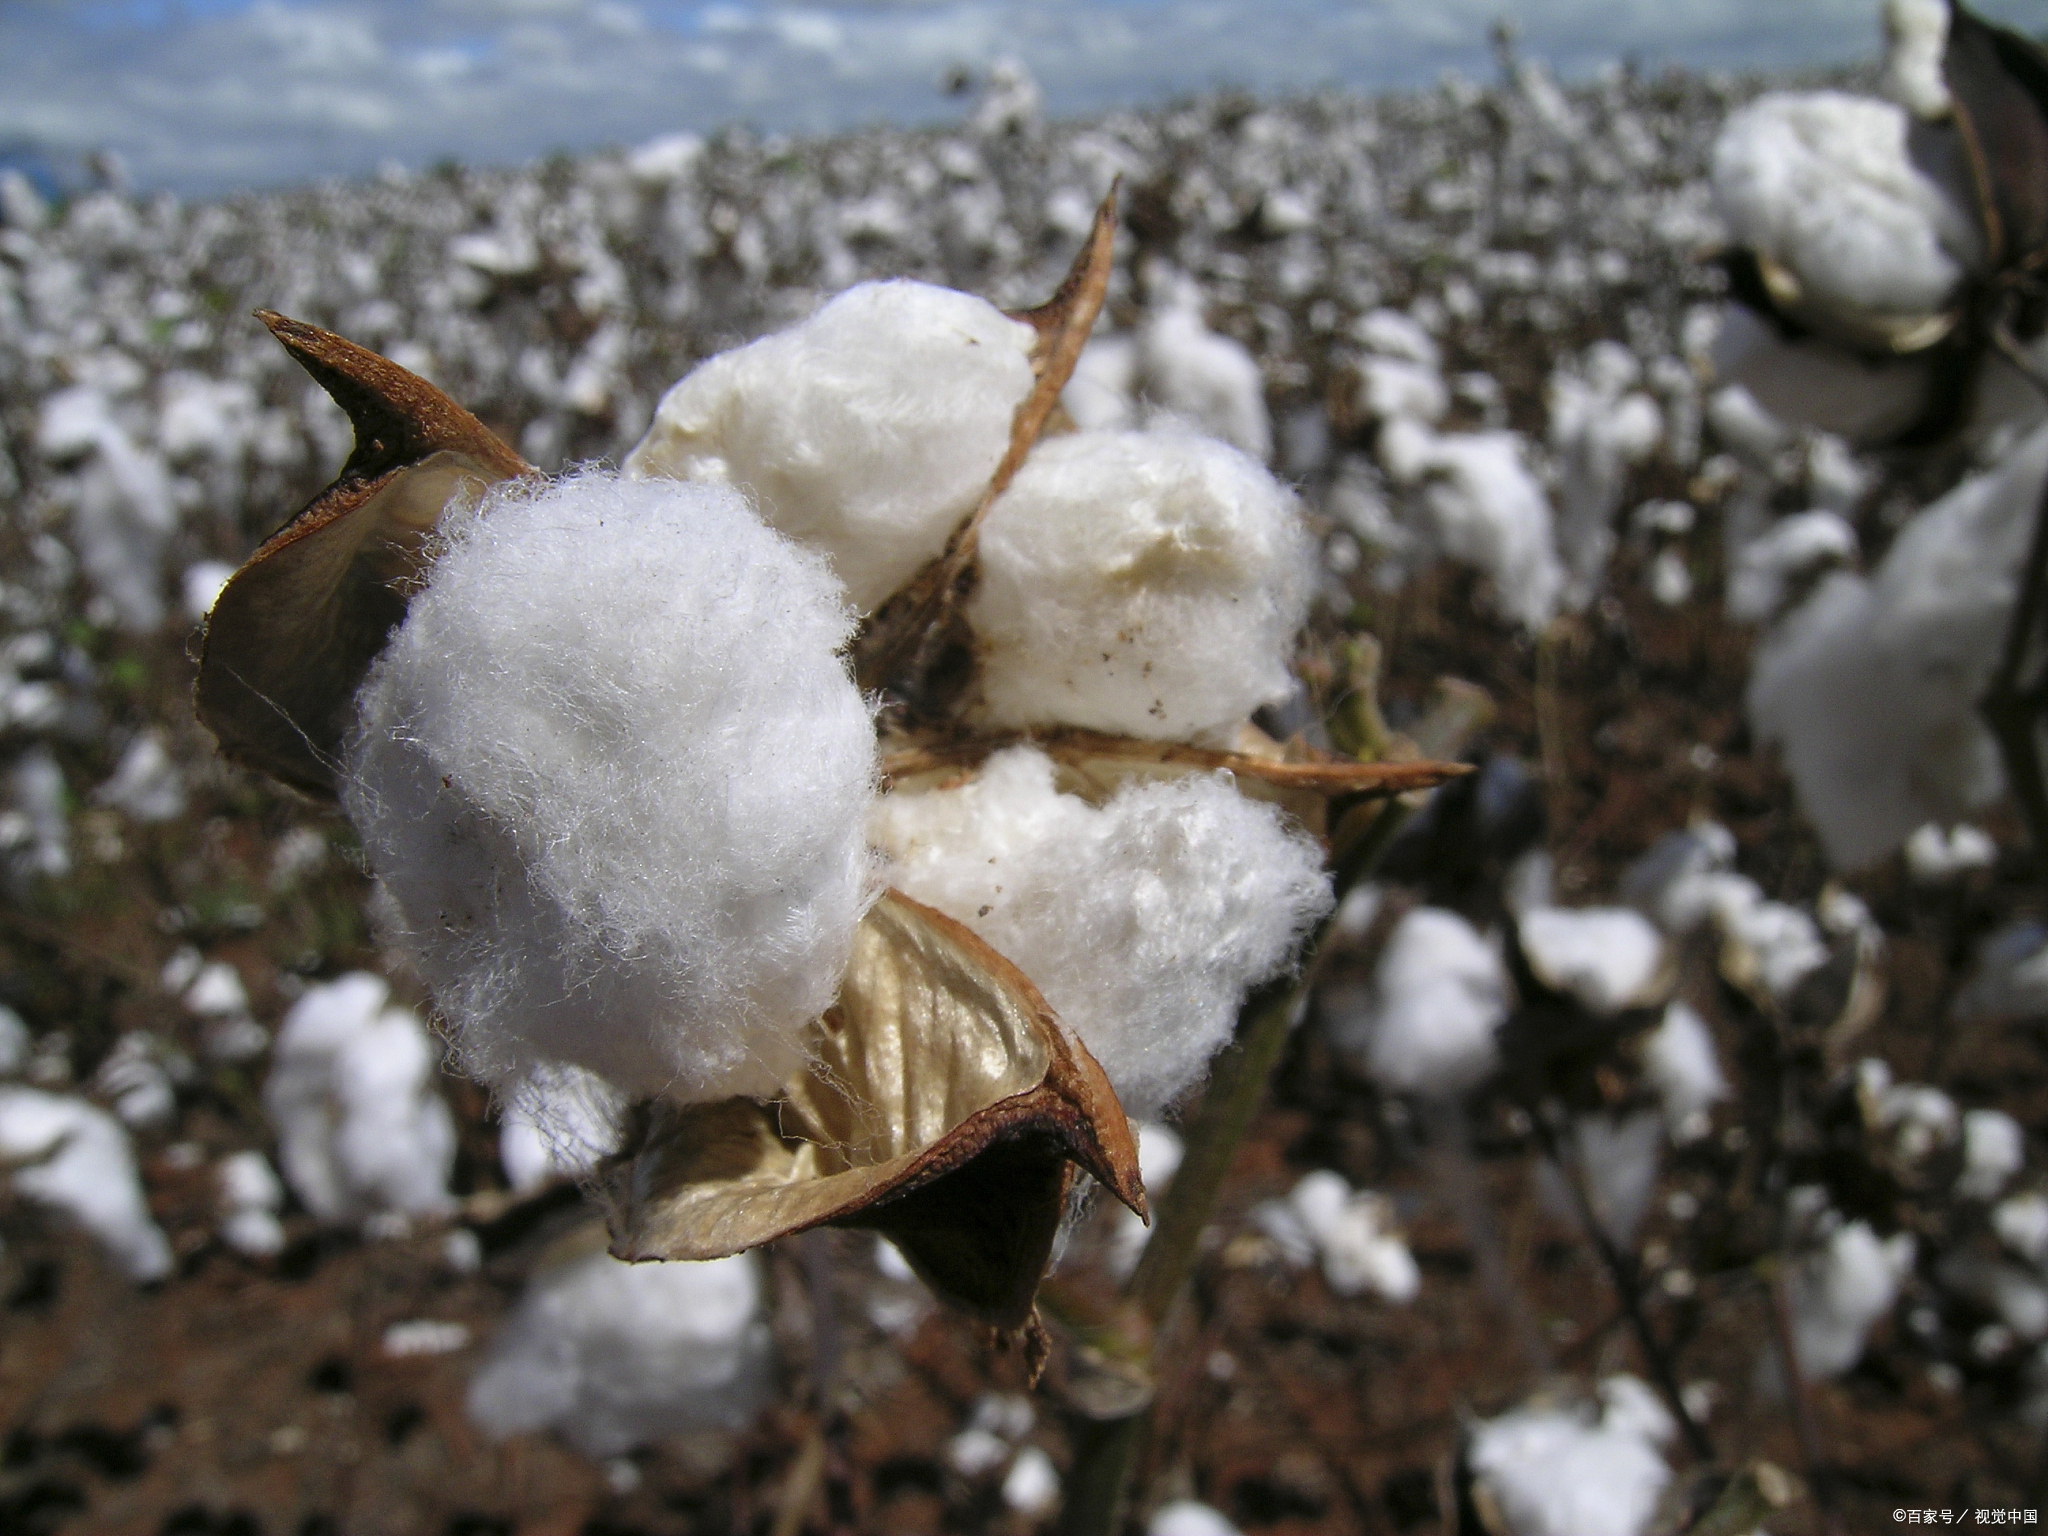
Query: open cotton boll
{"points": [[614, 776], [1871, 686], [1935, 854], [561, 1122], [1608, 958], [616, 1355], [1191, 375], [1552, 1472], [1681, 1064], [67, 1153], [869, 431], [1831, 187], [1438, 996], [1353, 1236], [1100, 395], [1916, 35], [1186, 1517], [360, 1132], [1143, 921], [1147, 584], [1994, 1149], [250, 1198], [1839, 1292], [1767, 565], [2021, 1222]]}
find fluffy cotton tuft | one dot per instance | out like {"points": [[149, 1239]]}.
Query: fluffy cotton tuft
{"points": [[1144, 921], [1350, 1233], [1551, 1472], [869, 431], [1439, 994], [1828, 185], [1872, 686], [70, 1154], [1916, 35], [1608, 958], [1144, 584], [250, 1198], [561, 1122], [1994, 1149], [1681, 1064], [1840, 1291], [615, 1355], [1192, 375], [614, 778], [360, 1132]]}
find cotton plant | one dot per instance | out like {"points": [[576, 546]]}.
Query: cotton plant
{"points": [[612, 745]]}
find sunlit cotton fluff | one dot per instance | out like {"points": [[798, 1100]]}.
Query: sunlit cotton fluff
{"points": [[869, 431], [1870, 220], [614, 778], [1143, 921], [1149, 584]]}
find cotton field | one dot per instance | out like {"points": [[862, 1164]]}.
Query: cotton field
{"points": [[1661, 1122]]}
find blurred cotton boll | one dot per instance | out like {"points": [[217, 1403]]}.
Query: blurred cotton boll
{"points": [[614, 777], [1150, 584], [1144, 921], [869, 431], [67, 1153]]}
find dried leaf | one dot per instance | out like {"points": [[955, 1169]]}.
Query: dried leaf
{"points": [[946, 1107], [1998, 84], [297, 626], [899, 637]]}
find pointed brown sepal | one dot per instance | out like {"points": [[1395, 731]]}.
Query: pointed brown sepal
{"points": [[295, 629], [900, 636], [946, 1106], [1998, 88]]}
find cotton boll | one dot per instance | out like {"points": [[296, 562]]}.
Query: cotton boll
{"points": [[613, 776], [1393, 333], [1438, 995], [2021, 1222], [68, 1154], [2017, 1297], [360, 1132], [1629, 1404], [1389, 386], [1839, 1292], [1139, 583], [1481, 504], [1916, 34], [1994, 1149], [1618, 1156], [1143, 921], [1609, 958], [1668, 882], [1766, 566], [1935, 855], [135, 1078], [869, 431], [1828, 186], [561, 1122], [1871, 686], [250, 1198], [1100, 395], [1032, 1486], [1354, 1238], [1193, 376], [1681, 1064], [1551, 1473], [146, 784], [1185, 1517], [35, 836], [616, 1355]]}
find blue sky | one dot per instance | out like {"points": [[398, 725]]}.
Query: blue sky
{"points": [[211, 95]]}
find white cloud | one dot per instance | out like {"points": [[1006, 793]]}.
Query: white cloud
{"points": [[280, 90]]}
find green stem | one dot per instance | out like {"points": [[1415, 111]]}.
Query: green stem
{"points": [[1106, 1450]]}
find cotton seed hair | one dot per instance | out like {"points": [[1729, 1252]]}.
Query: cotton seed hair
{"points": [[614, 778], [1147, 584], [869, 431]]}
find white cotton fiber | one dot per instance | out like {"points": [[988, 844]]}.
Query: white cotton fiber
{"points": [[146, 783], [1768, 564], [1872, 686], [250, 1198], [614, 777], [1351, 1233], [1824, 184], [1481, 504], [1609, 958], [1147, 584], [1994, 1149], [361, 1134], [1143, 921], [1438, 995], [560, 1122], [1100, 394], [869, 431], [1193, 376], [1681, 1064], [67, 1153], [1185, 1517], [1159, 1155], [1935, 854], [616, 1355], [2021, 1222], [1839, 1292], [1618, 1156], [1554, 1472], [1916, 34]]}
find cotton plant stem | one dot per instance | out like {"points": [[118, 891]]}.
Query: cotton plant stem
{"points": [[1449, 1159], [1106, 1450], [1628, 1285], [1803, 1423], [2009, 708]]}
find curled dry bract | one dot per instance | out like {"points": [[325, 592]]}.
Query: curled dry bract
{"points": [[946, 1106], [295, 629]]}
